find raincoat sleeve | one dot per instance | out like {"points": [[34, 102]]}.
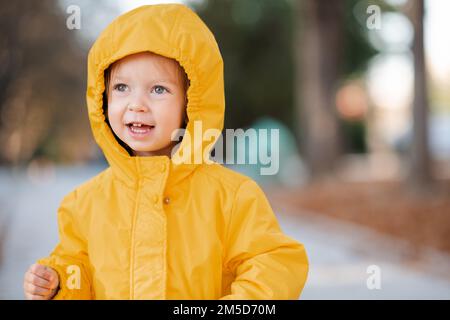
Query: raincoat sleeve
{"points": [[69, 258], [266, 263]]}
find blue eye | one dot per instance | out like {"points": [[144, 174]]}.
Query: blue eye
{"points": [[159, 89], [120, 87]]}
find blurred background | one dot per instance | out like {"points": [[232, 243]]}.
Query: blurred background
{"points": [[359, 91]]}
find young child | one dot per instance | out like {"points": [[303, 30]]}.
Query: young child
{"points": [[149, 227]]}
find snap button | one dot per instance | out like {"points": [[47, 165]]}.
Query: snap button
{"points": [[162, 168], [166, 200], [155, 199]]}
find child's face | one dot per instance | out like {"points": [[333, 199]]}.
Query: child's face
{"points": [[148, 89]]}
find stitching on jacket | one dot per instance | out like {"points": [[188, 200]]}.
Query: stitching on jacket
{"points": [[230, 218]]}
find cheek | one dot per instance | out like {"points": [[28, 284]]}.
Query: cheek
{"points": [[171, 115], [114, 114]]}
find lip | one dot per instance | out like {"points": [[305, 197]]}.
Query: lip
{"points": [[145, 132], [127, 123]]}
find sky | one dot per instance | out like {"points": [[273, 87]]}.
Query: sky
{"points": [[437, 35], [390, 76]]}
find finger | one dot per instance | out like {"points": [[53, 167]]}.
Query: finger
{"points": [[52, 283], [52, 276], [36, 290], [36, 267], [38, 281], [43, 272]]}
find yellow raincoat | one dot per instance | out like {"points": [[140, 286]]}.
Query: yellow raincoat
{"points": [[148, 228]]}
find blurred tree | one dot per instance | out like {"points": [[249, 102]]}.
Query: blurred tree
{"points": [[420, 171], [331, 45], [319, 67], [263, 76], [42, 85], [254, 37], [355, 132]]}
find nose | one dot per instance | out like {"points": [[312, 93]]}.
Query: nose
{"points": [[138, 101], [137, 107]]}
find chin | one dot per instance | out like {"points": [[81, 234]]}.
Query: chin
{"points": [[137, 147], [142, 148]]}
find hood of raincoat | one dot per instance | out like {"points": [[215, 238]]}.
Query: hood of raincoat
{"points": [[176, 32], [149, 228]]}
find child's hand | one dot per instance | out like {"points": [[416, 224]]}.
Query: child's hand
{"points": [[40, 283]]}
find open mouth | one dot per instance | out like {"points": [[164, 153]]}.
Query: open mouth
{"points": [[139, 129]]}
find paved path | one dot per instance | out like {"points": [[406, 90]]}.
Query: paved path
{"points": [[339, 253]]}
